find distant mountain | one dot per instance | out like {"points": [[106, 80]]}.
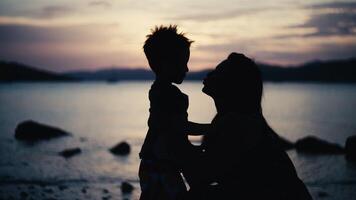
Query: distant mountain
{"points": [[317, 71], [118, 74], [12, 71], [112, 74]]}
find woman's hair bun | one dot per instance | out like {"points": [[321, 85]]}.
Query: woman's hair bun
{"points": [[236, 56]]}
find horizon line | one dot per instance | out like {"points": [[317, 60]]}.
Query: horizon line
{"points": [[118, 67]]}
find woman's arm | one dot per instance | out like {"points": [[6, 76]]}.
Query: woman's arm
{"points": [[197, 128]]}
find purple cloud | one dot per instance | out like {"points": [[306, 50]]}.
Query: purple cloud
{"points": [[342, 21], [225, 14], [334, 5], [103, 4], [54, 11]]}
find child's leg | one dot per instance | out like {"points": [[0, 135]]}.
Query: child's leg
{"points": [[151, 188]]}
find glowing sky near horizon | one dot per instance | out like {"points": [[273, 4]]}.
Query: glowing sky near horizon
{"points": [[63, 35]]}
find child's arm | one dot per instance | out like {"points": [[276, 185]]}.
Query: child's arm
{"points": [[197, 128]]}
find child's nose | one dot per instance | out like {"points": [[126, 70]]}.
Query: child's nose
{"points": [[209, 74]]}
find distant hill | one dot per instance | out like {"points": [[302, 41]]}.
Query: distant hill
{"points": [[112, 74], [317, 71], [343, 71], [12, 71], [118, 74]]}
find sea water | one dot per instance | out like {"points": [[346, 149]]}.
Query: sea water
{"points": [[99, 115]]}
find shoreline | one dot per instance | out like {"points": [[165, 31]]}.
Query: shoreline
{"points": [[70, 191]]}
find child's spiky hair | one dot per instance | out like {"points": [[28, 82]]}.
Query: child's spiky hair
{"points": [[164, 42]]}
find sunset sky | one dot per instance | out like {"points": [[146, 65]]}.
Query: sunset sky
{"points": [[64, 35]]}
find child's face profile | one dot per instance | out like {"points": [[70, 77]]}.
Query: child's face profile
{"points": [[176, 68], [180, 68]]}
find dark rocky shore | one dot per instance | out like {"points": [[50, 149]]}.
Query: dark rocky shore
{"points": [[30, 131], [67, 191], [34, 133]]}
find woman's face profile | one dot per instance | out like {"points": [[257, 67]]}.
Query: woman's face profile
{"points": [[214, 81]]}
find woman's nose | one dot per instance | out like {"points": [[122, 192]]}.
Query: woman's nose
{"points": [[207, 76]]}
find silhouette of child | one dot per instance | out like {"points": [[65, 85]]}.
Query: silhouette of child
{"points": [[166, 147]]}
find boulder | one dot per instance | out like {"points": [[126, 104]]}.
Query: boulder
{"points": [[126, 187], [122, 149], [70, 152], [32, 131], [350, 148], [315, 145]]}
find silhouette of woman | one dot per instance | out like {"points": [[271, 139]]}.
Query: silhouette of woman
{"points": [[243, 159]]}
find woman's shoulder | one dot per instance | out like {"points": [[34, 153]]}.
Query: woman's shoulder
{"points": [[248, 129], [240, 120]]}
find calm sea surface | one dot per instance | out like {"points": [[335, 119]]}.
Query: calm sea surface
{"points": [[99, 115]]}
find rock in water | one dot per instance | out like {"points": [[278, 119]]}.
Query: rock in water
{"points": [[315, 145], [126, 187], [350, 148], [32, 131], [123, 148], [70, 152]]}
